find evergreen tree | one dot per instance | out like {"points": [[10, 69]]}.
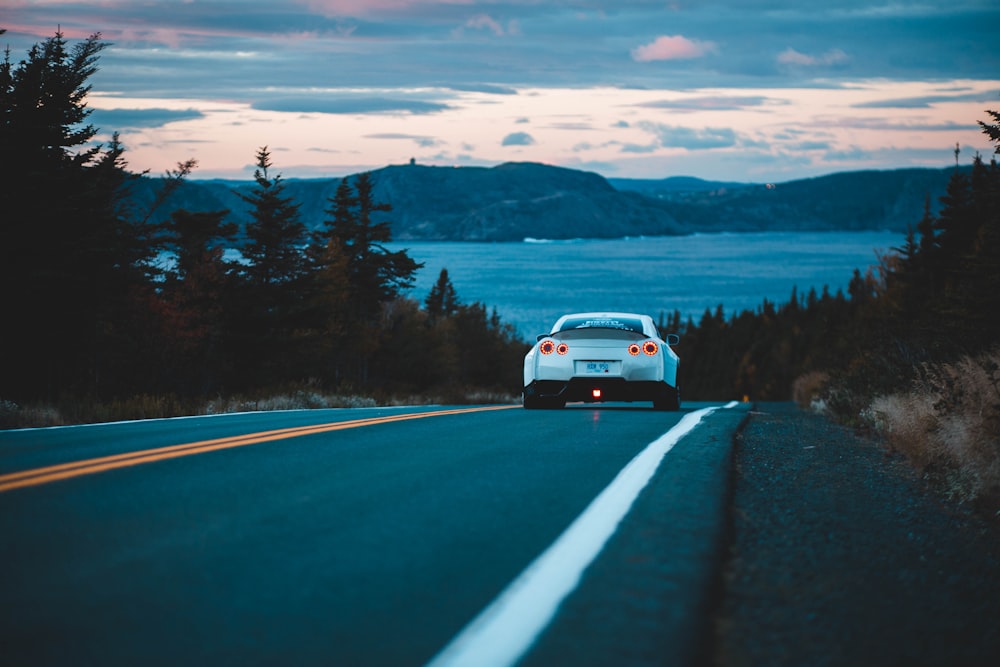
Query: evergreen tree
{"points": [[375, 275], [378, 275], [196, 294], [70, 258], [992, 130], [273, 306], [275, 236], [442, 301]]}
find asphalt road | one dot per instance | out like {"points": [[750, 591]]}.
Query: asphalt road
{"points": [[372, 540]]}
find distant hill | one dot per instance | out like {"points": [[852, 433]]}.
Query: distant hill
{"points": [[671, 185], [848, 201], [514, 201]]}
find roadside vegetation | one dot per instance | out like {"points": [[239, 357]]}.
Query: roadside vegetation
{"points": [[912, 351], [115, 313]]}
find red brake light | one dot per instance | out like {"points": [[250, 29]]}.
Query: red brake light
{"points": [[547, 347], [650, 347], [596, 393], [633, 349], [562, 348]]}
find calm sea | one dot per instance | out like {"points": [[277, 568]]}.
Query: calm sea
{"points": [[534, 282]]}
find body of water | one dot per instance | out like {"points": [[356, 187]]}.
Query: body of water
{"points": [[533, 283]]}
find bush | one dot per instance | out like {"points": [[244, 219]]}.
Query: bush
{"points": [[807, 390], [948, 426]]}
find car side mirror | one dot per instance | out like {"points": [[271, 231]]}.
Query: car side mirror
{"points": [[673, 339], [539, 337]]}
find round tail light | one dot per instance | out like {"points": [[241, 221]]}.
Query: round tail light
{"points": [[634, 349], [650, 347], [562, 348], [547, 347]]}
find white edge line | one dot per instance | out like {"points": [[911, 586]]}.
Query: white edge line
{"points": [[207, 416], [503, 632]]}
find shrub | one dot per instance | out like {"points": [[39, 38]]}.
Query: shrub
{"points": [[808, 389], [13, 415], [948, 426]]}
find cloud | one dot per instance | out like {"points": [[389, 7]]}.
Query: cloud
{"points": [[851, 154], [924, 102], [518, 139], [375, 7], [112, 120], [889, 125], [422, 141], [486, 22], [639, 148], [576, 126], [830, 58], [813, 146], [673, 136], [487, 88], [672, 47], [709, 103], [349, 105]]}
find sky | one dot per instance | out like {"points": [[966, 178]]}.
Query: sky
{"points": [[728, 90]]}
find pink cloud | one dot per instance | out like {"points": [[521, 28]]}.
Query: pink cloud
{"points": [[793, 57], [671, 47], [368, 7], [487, 22]]}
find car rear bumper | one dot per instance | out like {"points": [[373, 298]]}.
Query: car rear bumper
{"points": [[582, 389]]}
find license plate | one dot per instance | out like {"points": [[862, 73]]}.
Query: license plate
{"points": [[598, 367]]}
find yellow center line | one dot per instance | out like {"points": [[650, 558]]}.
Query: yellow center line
{"points": [[38, 476]]}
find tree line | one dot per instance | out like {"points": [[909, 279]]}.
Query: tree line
{"points": [[933, 299], [105, 301]]}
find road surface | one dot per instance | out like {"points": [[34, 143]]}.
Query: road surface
{"points": [[388, 536]]}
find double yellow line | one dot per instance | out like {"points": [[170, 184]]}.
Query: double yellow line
{"points": [[38, 476]]}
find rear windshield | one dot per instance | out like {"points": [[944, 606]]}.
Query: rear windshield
{"points": [[620, 323]]}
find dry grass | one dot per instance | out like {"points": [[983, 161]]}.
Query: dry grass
{"points": [[76, 411], [948, 426], [299, 400], [807, 390]]}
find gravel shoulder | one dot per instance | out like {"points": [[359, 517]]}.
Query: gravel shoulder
{"points": [[839, 555]]}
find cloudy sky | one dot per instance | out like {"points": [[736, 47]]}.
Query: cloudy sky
{"points": [[743, 90]]}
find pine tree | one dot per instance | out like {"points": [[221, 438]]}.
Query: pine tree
{"points": [[70, 257], [275, 235], [375, 275], [442, 301], [196, 294], [273, 304], [378, 275], [992, 130]]}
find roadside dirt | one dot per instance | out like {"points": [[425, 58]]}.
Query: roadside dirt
{"points": [[840, 555]]}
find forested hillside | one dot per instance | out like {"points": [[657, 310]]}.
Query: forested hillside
{"points": [[514, 201], [911, 351], [849, 201]]}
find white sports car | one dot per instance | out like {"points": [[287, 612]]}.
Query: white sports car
{"points": [[596, 357]]}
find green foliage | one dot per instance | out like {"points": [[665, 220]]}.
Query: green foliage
{"points": [[71, 264], [95, 316], [351, 249], [109, 301], [933, 300], [442, 301], [270, 311]]}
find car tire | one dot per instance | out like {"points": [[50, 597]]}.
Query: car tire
{"points": [[668, 398]]}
